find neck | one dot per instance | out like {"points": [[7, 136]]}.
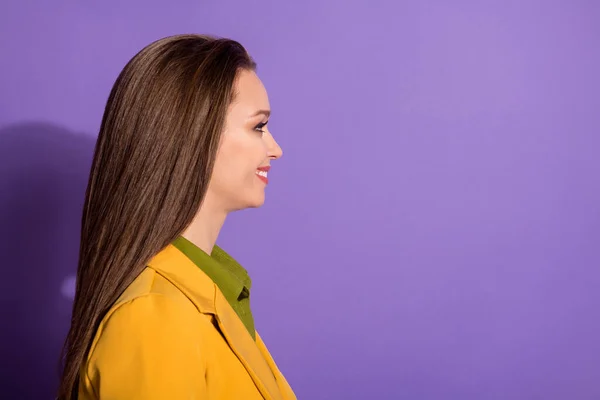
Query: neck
{"points": [[204, 229]]}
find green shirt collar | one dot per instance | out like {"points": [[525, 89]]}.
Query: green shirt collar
{"points": [[231, 278]]}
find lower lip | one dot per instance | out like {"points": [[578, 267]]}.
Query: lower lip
{"points": [[262, 178]]}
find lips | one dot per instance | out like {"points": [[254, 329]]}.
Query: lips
{"points": [[262, 172]]}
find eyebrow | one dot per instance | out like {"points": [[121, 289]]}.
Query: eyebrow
{"points": [[266, 113]]}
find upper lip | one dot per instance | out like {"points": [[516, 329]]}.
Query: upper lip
{"points": [[266, 168]]}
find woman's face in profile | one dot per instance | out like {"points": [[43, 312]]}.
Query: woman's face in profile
{"points": [[246, 145]]}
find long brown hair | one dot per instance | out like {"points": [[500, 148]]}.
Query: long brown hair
{"points": [[152, 163]]}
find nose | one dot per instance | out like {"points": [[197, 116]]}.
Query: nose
{"points": [[274, 151]]}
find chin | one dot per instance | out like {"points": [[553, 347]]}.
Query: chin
{"points": [[257, 202], [254, 203]]}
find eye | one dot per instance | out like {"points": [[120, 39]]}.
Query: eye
{"points": [[260, 127]]}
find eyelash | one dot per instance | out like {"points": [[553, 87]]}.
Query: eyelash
{"points": [[260, 127]]}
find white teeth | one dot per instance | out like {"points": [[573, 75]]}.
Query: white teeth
{"points": [[262, 173]]}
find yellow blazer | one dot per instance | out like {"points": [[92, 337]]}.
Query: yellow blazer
{"points": [[172, 335]]}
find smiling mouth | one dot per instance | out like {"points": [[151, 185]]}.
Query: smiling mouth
{"points": [[262, 173]]}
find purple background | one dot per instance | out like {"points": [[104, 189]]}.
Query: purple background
{"points": [[432, 231]]}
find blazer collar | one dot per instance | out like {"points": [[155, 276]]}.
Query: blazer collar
{"points": [[203, 292]]}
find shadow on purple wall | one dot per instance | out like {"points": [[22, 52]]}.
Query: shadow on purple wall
{"points": [[43, 175]]}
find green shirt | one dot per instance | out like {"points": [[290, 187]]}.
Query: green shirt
{"points": [[227, 274]]}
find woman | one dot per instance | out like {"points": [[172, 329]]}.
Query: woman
{"points": [[160, 311]]}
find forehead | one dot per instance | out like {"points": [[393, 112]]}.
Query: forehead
{"points": [[250, 94]]}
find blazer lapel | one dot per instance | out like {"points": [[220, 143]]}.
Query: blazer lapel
{"points": [[284, 387], [207, 297], [245, 348]]}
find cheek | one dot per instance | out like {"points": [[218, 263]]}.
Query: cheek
{"points": [[236, 164]]}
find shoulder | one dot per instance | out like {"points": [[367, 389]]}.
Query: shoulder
{"points": [[149, 300], [148, 343], [151, 311], [152, 324], [152, 284]]}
